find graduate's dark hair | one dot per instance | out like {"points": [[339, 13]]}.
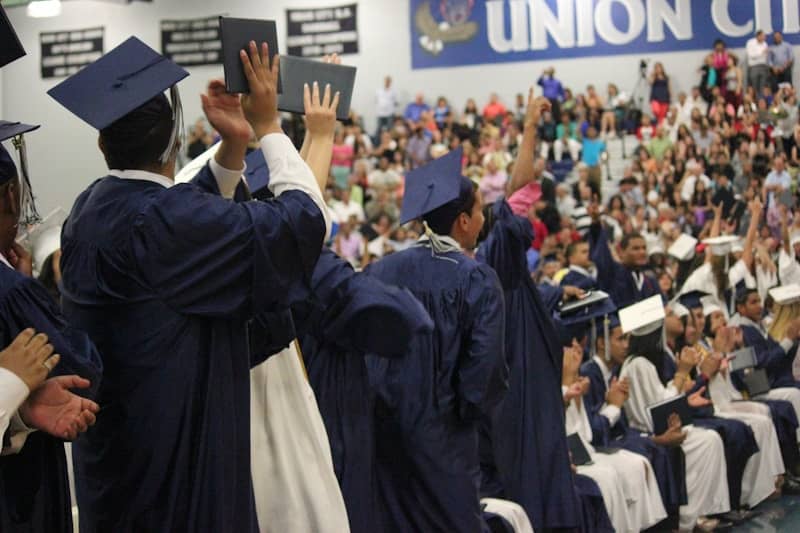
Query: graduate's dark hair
{"points": [[742, 295], [572, 246], [628, 237], [137, 140], [651, 347], [441, 219]]}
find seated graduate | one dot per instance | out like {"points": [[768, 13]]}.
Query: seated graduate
{"points": [[604, 402], [763, 468], [429, 402], [640, 506], [706, 478], [526, 462], [773, 355], [165, 277], [785, 310], [34, 492], [582, 272]]}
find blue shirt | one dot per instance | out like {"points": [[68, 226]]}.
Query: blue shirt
{"points": [[592, 148], [414, 111], [551, 88], [780, 54]]}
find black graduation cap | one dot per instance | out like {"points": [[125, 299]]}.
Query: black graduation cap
{"points": [[297, 71], [592, 311], [257, 174], [741, 291], [10, 46], [692, 299], [236, 35], [8, 170], [431, 186], [119, 82]]}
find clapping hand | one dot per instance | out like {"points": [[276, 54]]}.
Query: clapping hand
{"points": [[698, 400], [21, 259], [30, 357], [224, 113], [688, 360], [56, 410]]}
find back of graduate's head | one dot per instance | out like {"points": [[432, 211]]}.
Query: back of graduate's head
{"points": [[138, 140], [489, 220], [461, 218]]}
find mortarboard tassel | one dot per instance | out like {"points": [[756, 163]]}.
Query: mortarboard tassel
{"points": [[27, 212], [438, 246], [176, 138], [606, 323]]}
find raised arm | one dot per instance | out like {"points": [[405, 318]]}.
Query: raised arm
{"points": [[321, 125], [755, 217], [523, 169]]}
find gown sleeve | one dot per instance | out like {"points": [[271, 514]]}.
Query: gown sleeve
{"points": [[607, 267], [483, 373], [504, 250], [29, 305]]}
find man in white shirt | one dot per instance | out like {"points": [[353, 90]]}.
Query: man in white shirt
{"points": [[778, 181], [758, 61], [686, 104], [345, 207], [694, 172], [385, 106]]}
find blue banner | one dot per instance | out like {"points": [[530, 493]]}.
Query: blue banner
{"points": [[467, 32]]}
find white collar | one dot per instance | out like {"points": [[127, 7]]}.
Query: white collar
{"points": [[580, 270], [603, 368], [744, 321], [5, 261], [142, 175]]}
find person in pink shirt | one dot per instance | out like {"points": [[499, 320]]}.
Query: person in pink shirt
{"points": [[493, 183], [494, 108]]}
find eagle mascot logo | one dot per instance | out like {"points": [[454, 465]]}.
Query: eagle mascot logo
{"points": [[454, 28]]}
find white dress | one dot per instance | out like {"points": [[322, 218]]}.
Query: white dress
{"points": [[758, 479], [294, 484], [706, 470], [638, 505]]}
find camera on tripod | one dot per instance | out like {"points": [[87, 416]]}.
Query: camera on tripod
{"points": [[643, 66]]}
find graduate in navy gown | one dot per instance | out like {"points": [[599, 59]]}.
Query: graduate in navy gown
{"points": [[773, 356], [429, 402], [610, 425], [165, 278], [349, 315], [527, 452], [582, 273], [34, 490], [625, 282]]}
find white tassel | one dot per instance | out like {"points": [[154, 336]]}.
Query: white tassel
{"points": [[176, 138], [28, 214]]}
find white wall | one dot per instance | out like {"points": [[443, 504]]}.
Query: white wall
{"points": [[64, 157]]}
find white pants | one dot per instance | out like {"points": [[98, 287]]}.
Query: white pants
{"points": [[558, 145], [758, 481], [789, 394], [512, 512], [294, 483], [706, 476], [610, 483]]}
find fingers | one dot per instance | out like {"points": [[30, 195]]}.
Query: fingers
{"points": [[530, 94], [326, 98], [335, 103], [23, 339], [306, 97], [37, 342], [73, 382], [264, 54], [51, 362], [700, 391], [216, 87], [249, 72], [315, 94], [276, 67], [255, 59], [43, 353]]}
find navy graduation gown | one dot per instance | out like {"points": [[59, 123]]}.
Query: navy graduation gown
{"points": [[614, 278], [668, 463], [770, 356], [593, 514], [34, 490], [527, 446], [165, 280], [349, 315], [429, 402], [576, 279]]}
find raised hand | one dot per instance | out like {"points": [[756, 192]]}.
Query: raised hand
{"points": [[261, 105], [687, 360], [697, 399], [710, 366], [30, 357], [320, 113], [21, 259], [617, 392], [56, 410], [224, 112], [536, 106]]}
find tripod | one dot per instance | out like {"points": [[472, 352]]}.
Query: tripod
{"points": [[636, 102]]}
